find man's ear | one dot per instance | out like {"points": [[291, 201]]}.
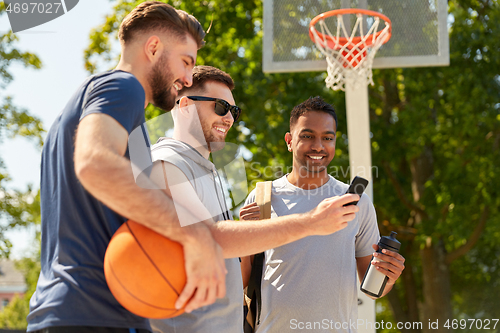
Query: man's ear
{"points": [[288, 140], [153, 48], [184, 104]]}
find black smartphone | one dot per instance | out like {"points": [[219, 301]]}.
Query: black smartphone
{"points": [[358, 186]]}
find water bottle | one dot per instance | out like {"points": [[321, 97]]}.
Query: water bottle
{"points": [[374, 281]]}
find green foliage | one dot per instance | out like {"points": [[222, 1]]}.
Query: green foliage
{"points": [[446, 119], [17, 208], [18, 122], [384, 315], [436, 135], [13, 316], [9, 54]]}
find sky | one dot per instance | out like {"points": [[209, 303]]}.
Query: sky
{"points": [[59, 44]]}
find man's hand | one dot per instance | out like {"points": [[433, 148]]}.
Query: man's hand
{"points": [[250, 212], [205, 269], [331, 215], [392, 265]]}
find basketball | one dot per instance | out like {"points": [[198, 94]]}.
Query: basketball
{"points": [[145, 271]]}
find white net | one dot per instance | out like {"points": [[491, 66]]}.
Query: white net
{"points": [[350, 55]]}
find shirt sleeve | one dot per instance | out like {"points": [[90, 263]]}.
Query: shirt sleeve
{"points": [[121, 97], [368, 233], [251, 198]]}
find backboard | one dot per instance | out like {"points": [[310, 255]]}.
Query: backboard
{"points": [[419, 33]]}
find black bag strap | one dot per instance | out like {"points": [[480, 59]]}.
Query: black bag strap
{"points": [[263, 200], [254, 286]]}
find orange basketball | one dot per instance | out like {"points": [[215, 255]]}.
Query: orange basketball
{"points": [[145, 271]]}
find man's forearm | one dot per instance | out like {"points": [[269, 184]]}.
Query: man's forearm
{"points": [[109, 178], [243, 238]]}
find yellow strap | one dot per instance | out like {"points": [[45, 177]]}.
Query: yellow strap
{"points": [[263, 199]]}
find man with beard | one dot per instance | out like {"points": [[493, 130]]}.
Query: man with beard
{"points": [[310, 284], [203, 115], [88, 188]]}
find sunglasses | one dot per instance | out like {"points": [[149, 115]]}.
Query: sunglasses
{"points": [[221, 106]]}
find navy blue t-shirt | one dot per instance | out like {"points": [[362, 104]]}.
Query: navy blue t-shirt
{"points": [[76, 227]]}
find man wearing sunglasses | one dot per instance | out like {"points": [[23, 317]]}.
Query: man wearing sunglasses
{"points": [[203, 115]]}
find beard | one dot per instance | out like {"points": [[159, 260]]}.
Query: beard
{"points": [[201, 131], [213, 144], [160, 80]]}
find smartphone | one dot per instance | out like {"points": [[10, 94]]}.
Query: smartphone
{"points": [[358, 186]]}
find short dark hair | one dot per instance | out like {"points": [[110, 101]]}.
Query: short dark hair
{"points": [[204, 74], [316, 104], [156, 15]]}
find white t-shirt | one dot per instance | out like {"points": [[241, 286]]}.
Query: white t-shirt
{"points": [[310, 285]]}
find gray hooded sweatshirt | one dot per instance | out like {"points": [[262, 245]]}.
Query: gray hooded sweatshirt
{"points": [[226, 314]]}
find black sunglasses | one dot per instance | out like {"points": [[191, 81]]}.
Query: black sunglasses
{"points": [[221, 106]]}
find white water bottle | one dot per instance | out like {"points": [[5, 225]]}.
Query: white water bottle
{"points": [[374, 281]]}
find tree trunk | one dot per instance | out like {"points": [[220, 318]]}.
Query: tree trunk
{"points": [[411, 289], [437, 307], [410, 312], [436, 289]]}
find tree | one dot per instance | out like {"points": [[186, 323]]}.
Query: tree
{"points": [[436, 133], [17, 208]]}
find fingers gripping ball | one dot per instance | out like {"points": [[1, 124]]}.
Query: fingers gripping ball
{"points": [[145, 271]]}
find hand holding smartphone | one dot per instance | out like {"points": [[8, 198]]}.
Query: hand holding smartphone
{"points": [[358, 186]]}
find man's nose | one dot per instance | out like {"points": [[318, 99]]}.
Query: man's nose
{"points": [[317, 144]]}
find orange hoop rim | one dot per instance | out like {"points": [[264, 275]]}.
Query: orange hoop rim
{"points": [[343, 40]]}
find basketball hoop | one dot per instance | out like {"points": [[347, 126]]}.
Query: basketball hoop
{"points": [[349, 55]]}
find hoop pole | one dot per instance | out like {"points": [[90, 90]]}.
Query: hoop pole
{"points": [[358, 131], [360, 162]]}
